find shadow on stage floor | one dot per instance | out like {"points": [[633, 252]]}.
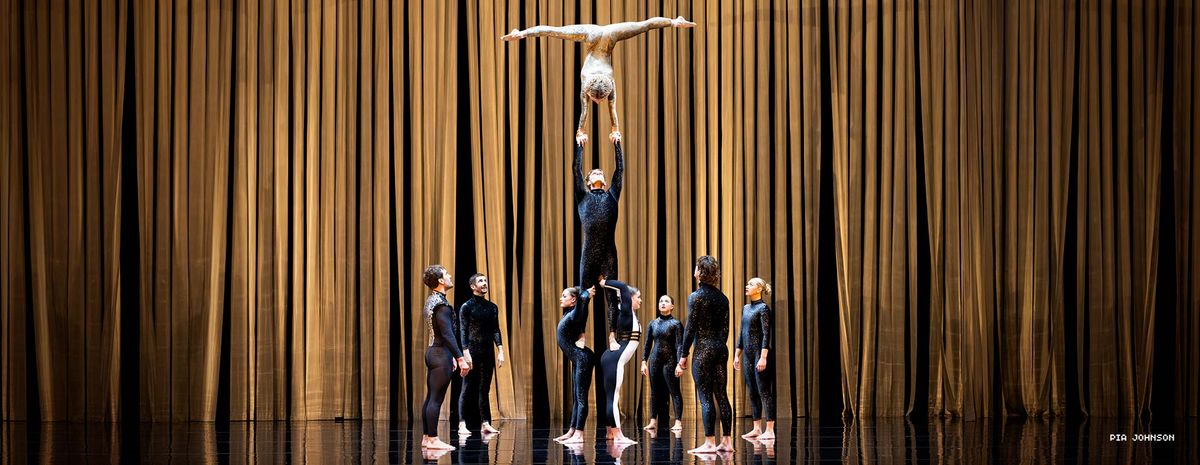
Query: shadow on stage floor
{"points": [[882, 441]]}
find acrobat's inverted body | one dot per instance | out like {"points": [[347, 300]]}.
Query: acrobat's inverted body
{"points": [[596, 75]]}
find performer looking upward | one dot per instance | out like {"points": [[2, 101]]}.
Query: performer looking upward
{"points": [[659, 357], [479, 323], [707, 327], [597, 210], [597, 72], [443, 356], [571, 341], [756, 359]]}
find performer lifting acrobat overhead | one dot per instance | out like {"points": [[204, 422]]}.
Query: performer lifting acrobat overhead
{"points": [[597, 73]]}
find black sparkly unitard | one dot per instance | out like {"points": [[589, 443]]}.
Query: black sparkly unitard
{"points": [[707, 328], [660, 352], [570, 328], [439, 357], [624, 323], [479, 331], [597, 209], [756, 336]]}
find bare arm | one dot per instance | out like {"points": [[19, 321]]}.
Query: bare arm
{"points": [[580, 135], [622, 31], [615, 135], [574, 32]]}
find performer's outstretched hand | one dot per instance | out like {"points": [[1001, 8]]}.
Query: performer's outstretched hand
{"points": [[615, 136], [581, 137], [680, 22], [518, 35]]}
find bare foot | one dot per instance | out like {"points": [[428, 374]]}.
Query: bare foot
{"points": [[576, 438], [678, 426], [706, 448], [726, 445], [437, 444], [677, 22], [516, 35], [652, 425], [754, 433]]}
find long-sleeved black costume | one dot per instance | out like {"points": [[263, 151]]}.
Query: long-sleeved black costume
{"points": [[479, 331], [707, 328], [624, 323], [570, 328], [597, 209], [439, 357], [663, 336], [756, 336]]}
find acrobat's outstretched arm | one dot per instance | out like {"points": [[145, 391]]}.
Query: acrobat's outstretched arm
{"points": [[622, 31], [581, 137], [574, 32], [615, 135]]}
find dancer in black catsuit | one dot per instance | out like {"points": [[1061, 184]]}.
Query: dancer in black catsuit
{"points": [[597, 209], [755, 357], [570, 340], [624, 333], [443, 355], [479, 326], [659, 357], [708, 328]]}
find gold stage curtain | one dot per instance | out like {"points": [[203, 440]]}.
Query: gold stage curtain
{"points": [[1186, 178], [996, 181], [60, 132], [270, 204], [1119, 178], [875, 124], [183, 173], [233, 201]]}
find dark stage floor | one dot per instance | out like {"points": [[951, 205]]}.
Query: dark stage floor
{"points": [[884, 441]]}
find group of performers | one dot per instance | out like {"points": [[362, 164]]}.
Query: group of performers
{"points": [[463, 343], [466, 343]]}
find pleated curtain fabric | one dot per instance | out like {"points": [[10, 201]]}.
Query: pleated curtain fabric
{"points": [[235, 199], [874, 167], [1185, 176]]}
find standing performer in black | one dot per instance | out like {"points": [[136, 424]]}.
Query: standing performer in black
{"points": [[597, 209], [708, 328], [659, 357], [755, 354], [443, 357], [574, 347], [624, 333], [479, 326]]}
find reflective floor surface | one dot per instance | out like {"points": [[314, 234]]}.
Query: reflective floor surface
{"points": [[882, 441]]}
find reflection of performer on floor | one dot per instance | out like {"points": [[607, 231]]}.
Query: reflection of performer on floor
{"points": [[659, 357], [443, 356], [758, 359], [597, 73], [624, 333], [479, 326]]}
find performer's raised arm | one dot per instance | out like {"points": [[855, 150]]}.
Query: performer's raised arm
{"points": [[622, 31], [580, 184], [619, 173], [574, 32]]}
